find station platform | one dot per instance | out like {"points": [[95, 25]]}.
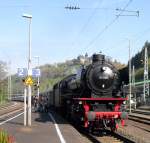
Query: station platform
{"points": [[44, 130]]}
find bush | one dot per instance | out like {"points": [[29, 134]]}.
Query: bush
{"points": [[5, 137]]}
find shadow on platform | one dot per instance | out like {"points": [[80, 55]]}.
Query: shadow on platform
{"points": [[44, 117]]}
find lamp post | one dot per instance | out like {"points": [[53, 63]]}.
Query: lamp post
{"points": [[38, 92], [29, 17]]}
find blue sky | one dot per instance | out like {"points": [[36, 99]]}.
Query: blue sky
{"points": [[59, 34]]}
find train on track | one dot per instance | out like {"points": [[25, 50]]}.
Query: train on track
{"points": [[92, 97]]}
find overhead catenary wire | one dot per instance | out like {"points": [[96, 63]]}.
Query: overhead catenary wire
{"points": [[108, 25], [137, 37], [87, 22], [142, 34], [128, 12], [11, 6], [89, 19]]}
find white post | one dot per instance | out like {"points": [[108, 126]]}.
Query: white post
{"points": [[29, 70], [25, 107], [133, 84], [10, 87], [129, 77], [29, 105], [38, 81]]}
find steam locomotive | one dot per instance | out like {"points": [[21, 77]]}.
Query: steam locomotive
{"points": [[92, 97]]}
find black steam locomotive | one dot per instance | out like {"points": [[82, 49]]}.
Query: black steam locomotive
{"points": [[91, 97]]}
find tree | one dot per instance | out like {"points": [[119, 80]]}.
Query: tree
{"points": [[3, 81], [3, 70]]}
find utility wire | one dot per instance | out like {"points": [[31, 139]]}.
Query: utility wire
{"points": [[8, 6], [89, 19], [142, 34], [87, 22], [109, 24], [137, 38]]}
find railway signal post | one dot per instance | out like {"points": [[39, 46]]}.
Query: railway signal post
{"points": [[29, 82], [25, 107]]}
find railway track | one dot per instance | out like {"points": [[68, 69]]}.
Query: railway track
{"points": [[136, 131], [104, 136], [10, 111], [139, 119], [109, 137], [3, 106]]}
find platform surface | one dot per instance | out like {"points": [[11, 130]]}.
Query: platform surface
{"points": [[43, 130]]}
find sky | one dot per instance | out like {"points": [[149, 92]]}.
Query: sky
{"points": [[59, 34]]}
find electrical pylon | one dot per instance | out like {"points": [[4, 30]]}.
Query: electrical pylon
{"points": [[146, 84], [133, 85], [133, 76]]}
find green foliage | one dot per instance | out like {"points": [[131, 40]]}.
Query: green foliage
{"points": [[18, 85], [138, 62], [138, 59], [3, 91], [3, 82], [48, 83], [139, 74], [5, 138], [3, 70], [51, 74]]}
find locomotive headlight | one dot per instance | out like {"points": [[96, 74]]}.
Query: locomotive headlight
{"points": [[104, 68], [108, 71], [103, 85], [116, 116], [80, 102], [124, 102]]}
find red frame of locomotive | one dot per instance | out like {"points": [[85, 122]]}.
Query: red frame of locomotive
{"points": [[116, 114]]}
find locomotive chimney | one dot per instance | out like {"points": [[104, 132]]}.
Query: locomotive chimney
{"points": [[97, 57]]}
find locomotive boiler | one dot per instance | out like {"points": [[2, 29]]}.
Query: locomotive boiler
{"points": [[99, 79]]}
